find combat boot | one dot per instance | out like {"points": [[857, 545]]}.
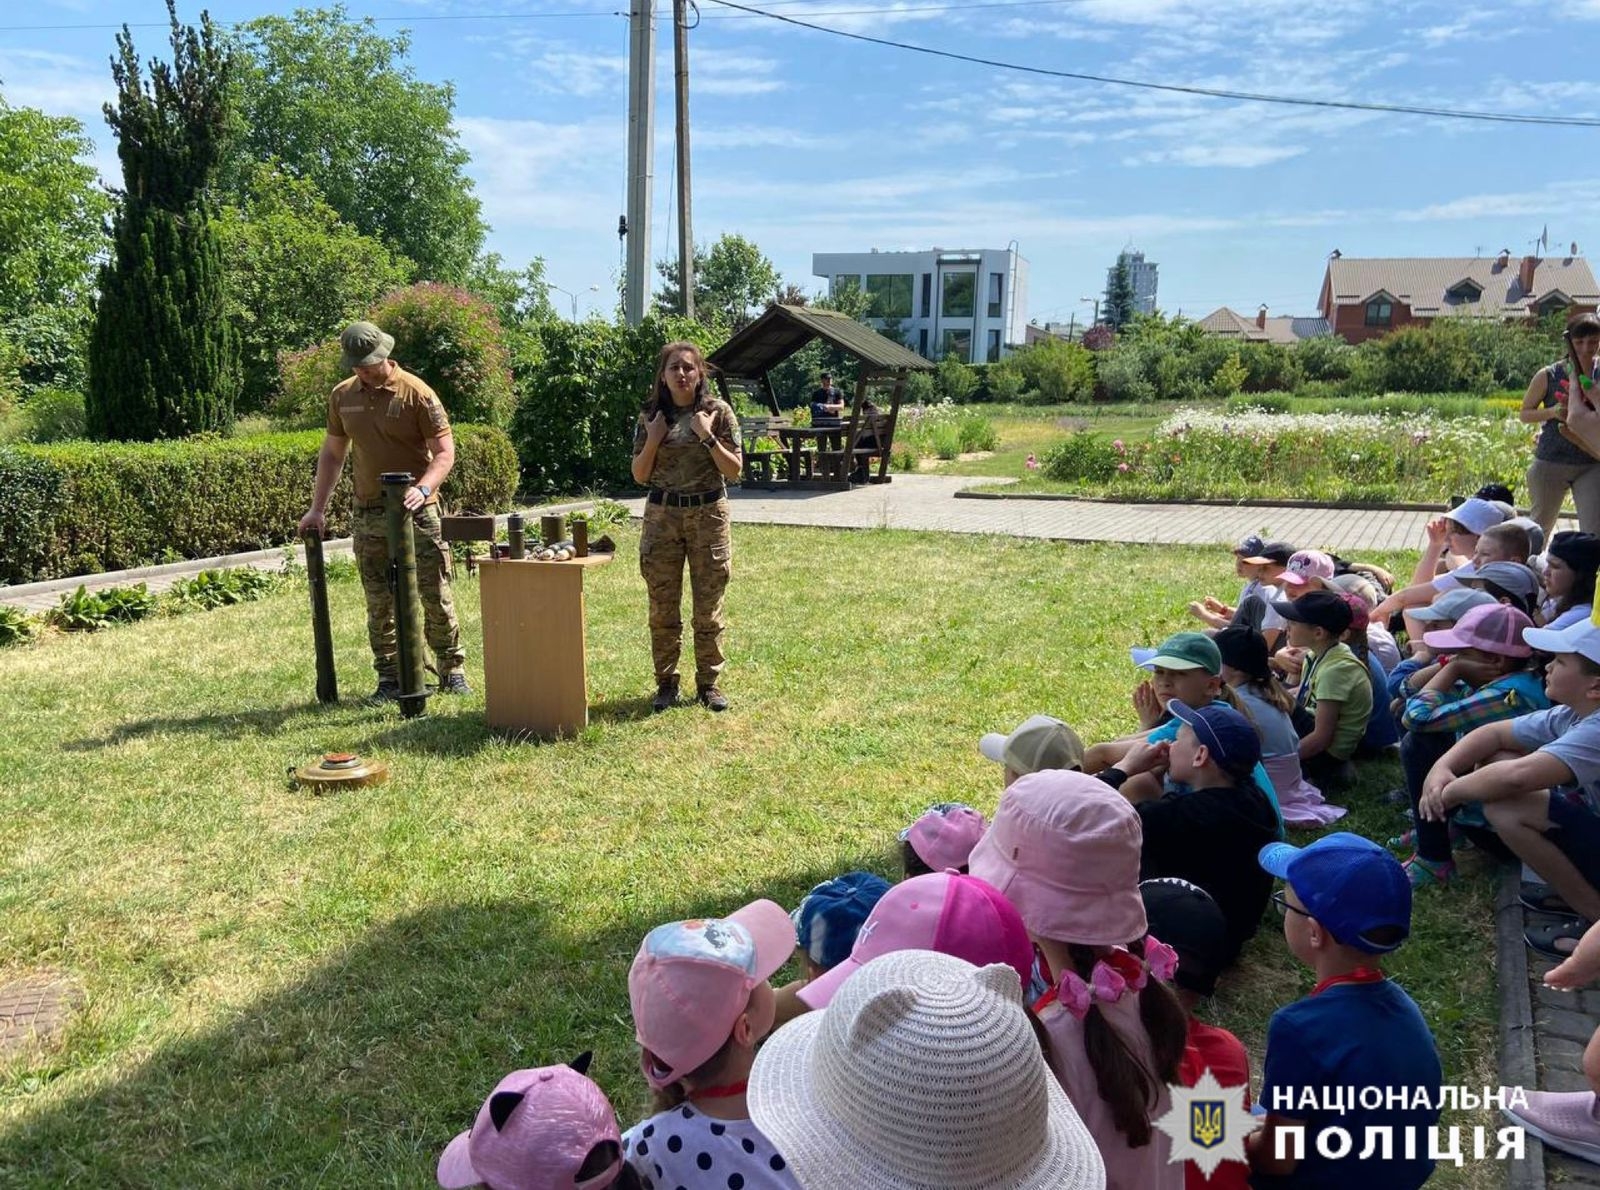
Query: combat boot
{"points": [[712, 698], [666, 696], [388, 691]]}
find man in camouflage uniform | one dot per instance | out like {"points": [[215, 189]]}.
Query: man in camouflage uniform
{"points": [[686, 521], [396, 423]]}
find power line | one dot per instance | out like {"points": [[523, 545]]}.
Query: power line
{"points": [[407, 20], [1177, 88]]}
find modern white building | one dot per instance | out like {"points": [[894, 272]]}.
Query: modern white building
{"points": [[970, 302]]}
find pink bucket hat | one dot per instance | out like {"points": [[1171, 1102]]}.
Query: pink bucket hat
{"points": [[943, 911], [536, 1132], [691, 980], [1305, 566], [945, 835], [1065, 848], [1493, 627]]}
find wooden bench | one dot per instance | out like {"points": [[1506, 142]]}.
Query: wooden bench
{"points": [[874, 439], [761, 461]]}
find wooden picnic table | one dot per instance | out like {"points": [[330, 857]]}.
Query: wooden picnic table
{"points": [[794, 439]]}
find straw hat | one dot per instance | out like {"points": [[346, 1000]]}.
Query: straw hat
{"points": [[923, 1071]]}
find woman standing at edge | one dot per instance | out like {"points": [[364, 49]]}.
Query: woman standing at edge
{"points": [[1557, 463], [686, 447]]}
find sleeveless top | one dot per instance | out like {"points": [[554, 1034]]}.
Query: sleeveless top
{"points": [[1552, 447]]}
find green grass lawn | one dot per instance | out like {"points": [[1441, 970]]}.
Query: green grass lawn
{"points": [[1034, 429], [292, 990]]}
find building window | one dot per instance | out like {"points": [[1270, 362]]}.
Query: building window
{"points": [[927, 295], [1551, 305], [889, 295], [845, 281], [958, 297], [1380, 312], [997, 283], [994, 347], [922, 340], [958, 344]]}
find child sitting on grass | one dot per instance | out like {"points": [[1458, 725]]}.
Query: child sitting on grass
{"points": [[1216, 614], [1509, 582], [1188, 920], [1345, 902], [544, 1129], [1038, 743], [1499, 542], [1382, 731], [1335, 689], [701, 1003], [1570, 565], [1262, 698], [1065, 849], [825, 926], [1452, 539], [1537, 777], [941, 839], [1484, 678]]}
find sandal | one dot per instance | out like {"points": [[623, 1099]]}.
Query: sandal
{"points": [[1546, 939], [1541, 898], [1428, 873], [1405, 842]]}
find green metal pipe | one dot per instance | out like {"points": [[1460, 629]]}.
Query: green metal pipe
{"points": [[321, 630], [403, 589]]}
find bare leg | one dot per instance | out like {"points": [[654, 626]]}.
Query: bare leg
{"points": [[1521, 823]]}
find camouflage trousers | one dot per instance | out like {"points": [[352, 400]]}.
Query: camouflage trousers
{"points": [[670, 537], [371, 544]]}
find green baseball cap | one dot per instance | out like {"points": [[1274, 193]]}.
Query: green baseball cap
{"points": [[1187, 650], [362, 344]]}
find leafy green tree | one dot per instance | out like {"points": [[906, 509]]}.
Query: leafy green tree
{"points": [[52, 229], [520, 299], [296, 273], [334, 101], [1118, 309], [1055, 371], [163, 358], [732, 282]]}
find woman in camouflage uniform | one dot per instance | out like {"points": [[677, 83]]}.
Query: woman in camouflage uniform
{"points": [[686, 447]]}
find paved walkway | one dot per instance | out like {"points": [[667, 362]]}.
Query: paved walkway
{"points": [[931, 502]]}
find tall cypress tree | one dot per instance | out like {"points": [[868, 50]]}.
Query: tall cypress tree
{"points": [[1119, 306], [163, 359]]}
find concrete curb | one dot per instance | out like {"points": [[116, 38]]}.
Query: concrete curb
{"points": [[26, 592], [1518, 1062], [969, 494]]}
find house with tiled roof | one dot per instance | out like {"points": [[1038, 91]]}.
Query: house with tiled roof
{"points": [[1225, 323], [1364, 298]]}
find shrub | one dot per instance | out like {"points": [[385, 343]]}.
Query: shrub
{"points": [[976, 432], [221, 588], [453, 341], [52, 415], [1121, 373], [449, 338], [82, 507], [1327, 357], [580, 388], [17, 627], [1230, 377], [1082, 458], [1269, 367], [1433, 358], [943, 440], [953, 380], [1056, 372], [1005, 382], [90, 611]]}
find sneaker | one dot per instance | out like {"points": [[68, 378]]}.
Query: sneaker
{"points": [[1568, 1121], [388, 691], [455, 683], [712, 698], [1405, 842], [1427, 873], [666, 696]]}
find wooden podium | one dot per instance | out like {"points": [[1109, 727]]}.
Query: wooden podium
{"points": [[535, 677]]}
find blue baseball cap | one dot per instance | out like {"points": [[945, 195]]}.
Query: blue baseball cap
{"points": [[1451, 605], [827, 921], [1226, 733], [1349, 884]]}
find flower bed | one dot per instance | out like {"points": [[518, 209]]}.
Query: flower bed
{"points": [[1366, 458], [940, 430]]}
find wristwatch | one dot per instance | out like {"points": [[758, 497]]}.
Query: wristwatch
{"points": [[709, 441], [424, 489]]}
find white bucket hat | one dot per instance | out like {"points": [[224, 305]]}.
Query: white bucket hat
{"points": [[922, 1071]]}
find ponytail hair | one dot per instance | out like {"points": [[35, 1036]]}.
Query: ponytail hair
{"points": [[674, 1094], [1129, 1087]]}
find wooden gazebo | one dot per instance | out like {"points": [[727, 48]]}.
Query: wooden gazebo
{"points": [[745, 361]]}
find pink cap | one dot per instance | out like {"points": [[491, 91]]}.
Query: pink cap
{"points": [[1492, 627], [534, 1133], [943, 911], [1306, 565], [691, 980], [944, 836], [1065, 848]]}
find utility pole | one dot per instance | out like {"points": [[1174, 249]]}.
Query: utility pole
{"points": [[680, 48], [641, 143]]}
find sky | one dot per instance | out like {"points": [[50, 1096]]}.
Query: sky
{"points": [[807, 142]]}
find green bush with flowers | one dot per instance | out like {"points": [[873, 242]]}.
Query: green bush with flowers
{"points": [[1204, 454]]}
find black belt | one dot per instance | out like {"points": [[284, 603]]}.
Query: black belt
{"points": [[684, 499]]}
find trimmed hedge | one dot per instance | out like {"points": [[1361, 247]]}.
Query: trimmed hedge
{"points": [[82, 508]]}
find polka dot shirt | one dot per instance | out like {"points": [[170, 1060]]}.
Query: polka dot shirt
{"points": [[684, 1150]]}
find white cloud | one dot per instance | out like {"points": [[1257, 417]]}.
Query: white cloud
{"points": [[1566, 197], [60, 84], [723, 70], [530, 173], [1242, 155]]}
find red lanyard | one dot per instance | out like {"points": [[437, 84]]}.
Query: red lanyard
{"points": [[727, 1092], [1359, 975]]}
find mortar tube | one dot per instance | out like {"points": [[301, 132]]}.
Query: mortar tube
{"points": [[321, 629], [404, 594]]}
